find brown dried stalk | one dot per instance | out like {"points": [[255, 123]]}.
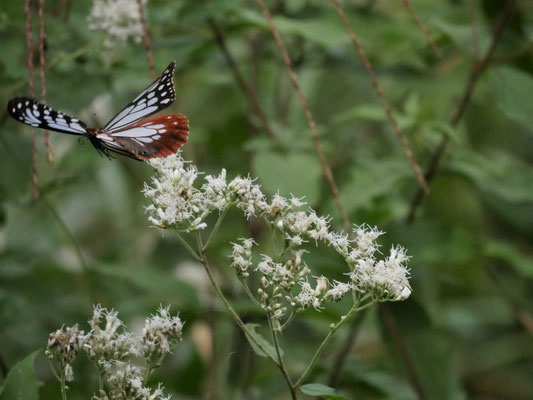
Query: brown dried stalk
{"points": [[477, 69], [42, 61], [29, 63], [422, 27], [243, 84], [381, 95], [147, 41], [308, 115]]}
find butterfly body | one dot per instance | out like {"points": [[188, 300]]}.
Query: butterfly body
{"points": [[132, 132]]}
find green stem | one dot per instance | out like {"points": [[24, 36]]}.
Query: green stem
{"points": [[215, 229], [288, 320], [250, 294], [188, 247], [228, 305], [283, 368], [343, 319]]}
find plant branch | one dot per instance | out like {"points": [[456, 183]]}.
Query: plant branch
{"points": [[477, 69], [422, 27], [243, 84], [228, 306], [344, 350], [147, 41], [311, 122], [42, 62], [392, 327], [280, 359], [29, 63], [385, 103], [332, 330]]}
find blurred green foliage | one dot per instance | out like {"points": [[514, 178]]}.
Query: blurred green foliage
{"points": [[467, 328]]}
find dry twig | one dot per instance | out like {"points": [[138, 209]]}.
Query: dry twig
{"points": [[147, 41], [42, 61], [29, 63], [308, 115], [477, 69], [381, 95], [422, 27], [243, 84]]}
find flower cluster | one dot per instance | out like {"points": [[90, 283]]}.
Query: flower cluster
{"points": [[113, 350], [176, 203], [119, 19]]}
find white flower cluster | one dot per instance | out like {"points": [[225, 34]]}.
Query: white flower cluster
{"points": [[112, 351], [126, 381], [178, 204], [119, 19], [161, 332], [63, 347]]}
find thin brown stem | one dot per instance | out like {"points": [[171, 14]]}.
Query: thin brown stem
{"points": [[475, 73], [147, 41], [243, 84], [381, 95], [388, 318], [311, 122], [422, 27], [29, 64], [42, 38], [474, 30]]}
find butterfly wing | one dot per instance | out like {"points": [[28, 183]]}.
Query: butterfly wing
{"points": [[156, 97], [31, 112], [153, 137]]}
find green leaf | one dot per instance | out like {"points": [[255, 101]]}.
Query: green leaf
{"points": [[296, 174], [21, 382], [513, 92], [500, 174], [373, 179], [512, 256], [317, 389], [265, 343]]}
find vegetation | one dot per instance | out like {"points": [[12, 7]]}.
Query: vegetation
{"points": [[412, 116]]}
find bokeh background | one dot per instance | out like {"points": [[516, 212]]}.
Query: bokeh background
{"points": [[467, 330]]}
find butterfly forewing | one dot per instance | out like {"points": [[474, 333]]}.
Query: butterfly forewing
{"points": [[156, 97], [153, 137], [38, 115]]}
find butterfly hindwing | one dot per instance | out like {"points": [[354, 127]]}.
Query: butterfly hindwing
{"points": [[156, 97], [153, 137], [38, 115]]}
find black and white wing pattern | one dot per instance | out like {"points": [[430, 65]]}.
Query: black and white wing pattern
{"points": [[156, 97], [31, 112]]}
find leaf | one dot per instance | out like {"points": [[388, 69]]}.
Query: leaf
{"points": [[499, 174], [265, 343], [21, 382], [513, 93], [296, 174], [371, 180], [512, 256], [317, 389]]}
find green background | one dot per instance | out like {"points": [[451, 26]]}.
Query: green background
{"points": [[467, 330]]}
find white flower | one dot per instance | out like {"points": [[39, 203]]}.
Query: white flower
{"points": [[248, 196], [161, 332], [120, 19], [365, 239], [215, 190], [338, 290], [307, 296], [242, 257]]}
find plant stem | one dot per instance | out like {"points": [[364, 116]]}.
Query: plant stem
{"points": [[228, 306], [283, 368], [343, 319], [215, 229], [250, 294], [188, 247]]}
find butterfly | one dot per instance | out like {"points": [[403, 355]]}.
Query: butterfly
{"points": [[131, 133]]}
